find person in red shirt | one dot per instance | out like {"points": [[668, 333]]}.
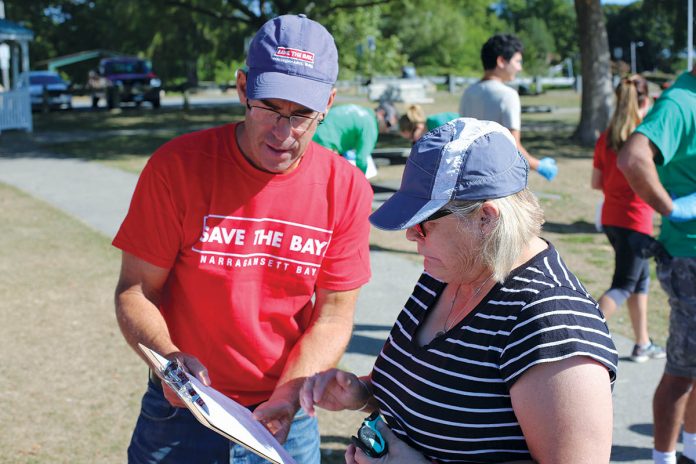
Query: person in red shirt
{"points": [[244, 249], [625, 216]]}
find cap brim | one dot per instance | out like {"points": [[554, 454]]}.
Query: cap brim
{"points": [[306, 92], [402, 211]]}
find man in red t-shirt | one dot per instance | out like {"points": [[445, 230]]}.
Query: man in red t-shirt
{"points": [[244, 250]]}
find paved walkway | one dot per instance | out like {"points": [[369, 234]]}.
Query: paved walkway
{"points": [[99, 197]]}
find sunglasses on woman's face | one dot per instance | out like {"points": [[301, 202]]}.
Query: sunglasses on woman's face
{"points": [[420, 227]]}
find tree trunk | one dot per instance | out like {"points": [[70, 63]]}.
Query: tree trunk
{"points": [[191, 73], [597, 92]]}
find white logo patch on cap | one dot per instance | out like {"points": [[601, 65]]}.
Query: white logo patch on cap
{"points": [[293, 54]]}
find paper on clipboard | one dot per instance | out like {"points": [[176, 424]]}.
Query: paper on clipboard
{"points": [[225, 416]]}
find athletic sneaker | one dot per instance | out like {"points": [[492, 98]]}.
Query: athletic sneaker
{"points": [[684, 460], [652, 351]]}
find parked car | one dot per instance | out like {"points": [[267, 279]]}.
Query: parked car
{"points": [[48, 88], [122, 80]]}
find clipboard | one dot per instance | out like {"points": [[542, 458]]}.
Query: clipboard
{"points": [[218, 412]]}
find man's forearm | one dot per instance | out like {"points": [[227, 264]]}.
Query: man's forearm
{"points": [[636, 161], [321, 346], [140, 321], [533, 162]]}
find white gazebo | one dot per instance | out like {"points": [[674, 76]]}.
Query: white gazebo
{"points": [[15, 105]]}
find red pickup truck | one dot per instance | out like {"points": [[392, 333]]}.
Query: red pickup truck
{"points": [[124, 80]]}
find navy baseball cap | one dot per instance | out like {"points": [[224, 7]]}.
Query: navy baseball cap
{"points": [[465, 159], [292, 58]]}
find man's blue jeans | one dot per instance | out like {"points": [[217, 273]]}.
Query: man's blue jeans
{"points": [[164, 433]]}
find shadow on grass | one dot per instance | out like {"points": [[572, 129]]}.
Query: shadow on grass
{"points": [[577, 227], [98, 134], [103, 135], [111, 147], [392, 141], [556, 144], [134, 118]]}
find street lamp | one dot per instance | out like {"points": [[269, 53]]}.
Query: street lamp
{"points": [[633, 55]]}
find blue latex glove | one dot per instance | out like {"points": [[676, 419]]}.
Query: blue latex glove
{"points": [[350, 155], [547, 168], [684, 209]]}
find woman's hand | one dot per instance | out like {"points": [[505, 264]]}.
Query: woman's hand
{"points": [[333, 390], [398, 451]]}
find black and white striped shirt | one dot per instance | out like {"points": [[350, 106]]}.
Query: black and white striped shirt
{"points": [[451, 398]]}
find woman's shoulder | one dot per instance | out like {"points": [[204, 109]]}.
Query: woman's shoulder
{"points": [[546, 272], [559, 319]]}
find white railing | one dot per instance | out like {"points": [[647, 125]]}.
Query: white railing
{"points": [[15, 110]]}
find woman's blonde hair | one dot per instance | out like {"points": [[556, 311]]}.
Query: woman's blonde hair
{"points": [[409, 121], [520, 220], [630, 96]]}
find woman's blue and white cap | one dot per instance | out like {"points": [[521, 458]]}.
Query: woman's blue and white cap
{"points": [[465, 159]]}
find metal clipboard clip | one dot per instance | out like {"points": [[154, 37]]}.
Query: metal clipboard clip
{"points": [[177, 379]]}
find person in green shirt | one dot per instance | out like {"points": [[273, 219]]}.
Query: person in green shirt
{"points": [[352, 131], [413, 124], [659, 162]]}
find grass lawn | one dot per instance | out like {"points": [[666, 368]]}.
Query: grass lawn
{"points": [[66, 366], [70, 385]]}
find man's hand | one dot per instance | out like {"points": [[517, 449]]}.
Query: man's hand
{"points": [[399, 452], [547, 168], [277, 416], [191, 365], [683, 209]]}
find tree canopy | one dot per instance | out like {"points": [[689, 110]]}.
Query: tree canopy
{"points": [[191, 40]]}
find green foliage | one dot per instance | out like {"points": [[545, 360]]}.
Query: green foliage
{"points": [[444, 36], [539, 45], [226, 72], [188, 40], [659, 24], [547, 28], [362, 48]]}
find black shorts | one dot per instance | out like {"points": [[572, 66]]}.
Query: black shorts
{"points": [[631, 272]]}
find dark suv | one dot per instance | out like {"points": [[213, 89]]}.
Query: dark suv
{"points": [[125, 79]]}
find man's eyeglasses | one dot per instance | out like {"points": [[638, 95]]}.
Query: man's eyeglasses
{"points": [[420, 227], [298, 122]]}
